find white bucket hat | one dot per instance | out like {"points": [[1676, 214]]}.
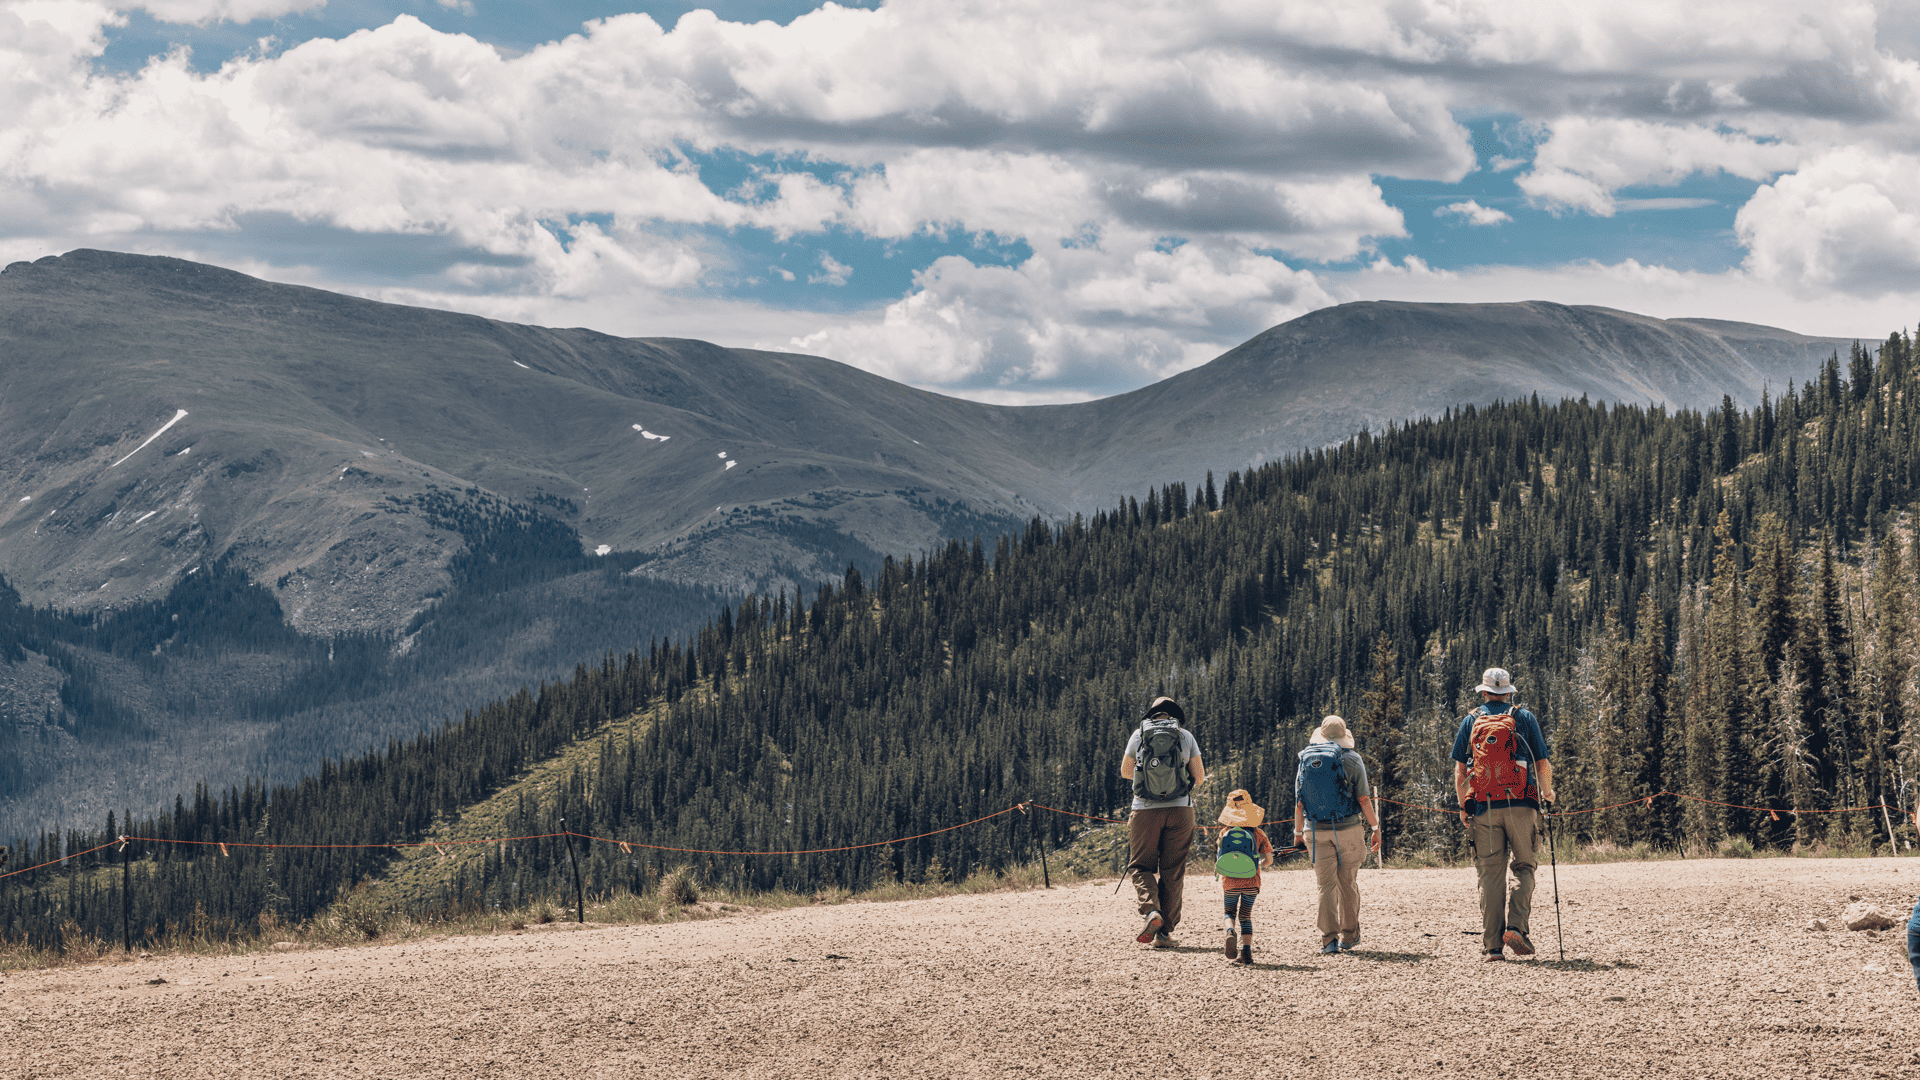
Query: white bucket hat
{"points": [[1333, 730], [1496, 681]]}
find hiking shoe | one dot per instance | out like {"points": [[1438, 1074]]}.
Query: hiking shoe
{"points": [[1245, 957], [1351, 943], [1518, 942], [1162, 941], [1331, 948], [1233, 946], [1495, 954], [1154, 923]]}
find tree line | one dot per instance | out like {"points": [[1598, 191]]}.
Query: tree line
{"points": [[1716, 603]]}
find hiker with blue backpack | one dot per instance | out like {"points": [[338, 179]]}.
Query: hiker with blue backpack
{"points": [[1501, 776], [1913, 921], [1163, 761], [1332, 800], [1242, 852]]}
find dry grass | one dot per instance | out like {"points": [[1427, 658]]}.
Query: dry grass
{"points": [[369, 916]]}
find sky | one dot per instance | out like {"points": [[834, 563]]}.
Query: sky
{"points": [[1014, 201]]}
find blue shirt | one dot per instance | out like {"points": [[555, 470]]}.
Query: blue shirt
{"points": [[1525, 725]]}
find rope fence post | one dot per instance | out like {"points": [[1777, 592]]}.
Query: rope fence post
{"points": [[1046, 875], [126, 896], [579, 899]]}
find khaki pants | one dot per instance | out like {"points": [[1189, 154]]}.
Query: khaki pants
{"points": [[1337, 855], [1158, 842], [1497, 834]]}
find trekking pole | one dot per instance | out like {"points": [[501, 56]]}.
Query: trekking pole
{"points": [[1553, 858]]}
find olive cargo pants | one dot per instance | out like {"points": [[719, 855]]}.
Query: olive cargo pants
{"points": [[1158, 843], [1499, 834]]}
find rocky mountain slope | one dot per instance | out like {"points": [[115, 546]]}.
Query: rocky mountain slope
{"points": [[279, 525], [157, 412]]}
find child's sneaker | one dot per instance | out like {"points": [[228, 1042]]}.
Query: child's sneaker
{"points": [[1233, 944], [1245, 957]]}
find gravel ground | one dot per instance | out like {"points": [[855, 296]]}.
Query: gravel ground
{"points": [[1673, 969]]}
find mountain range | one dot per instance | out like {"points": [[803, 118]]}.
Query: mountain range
{"points": [[382, 472]]}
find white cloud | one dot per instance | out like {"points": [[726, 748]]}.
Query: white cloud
{"points": [[832, 272], [1112, 317], [560, 176], [1586, 159], [1849, 220], [1474, 213]]}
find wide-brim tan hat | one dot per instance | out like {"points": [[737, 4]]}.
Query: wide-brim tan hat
{"points": [[1495, 681], [1334, 730], [1241, 810]]}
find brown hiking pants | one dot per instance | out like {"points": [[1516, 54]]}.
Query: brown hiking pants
{"points": [[1514, 831], [1158, 842]]}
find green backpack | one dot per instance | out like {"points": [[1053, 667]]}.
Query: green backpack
{"points": [[1160, 772], [1239, 853]]}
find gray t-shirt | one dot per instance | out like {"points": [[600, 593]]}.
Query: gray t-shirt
{"points": [[1189, 749]]}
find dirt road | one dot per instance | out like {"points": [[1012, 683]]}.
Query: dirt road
{"points": [[1695, 969]]}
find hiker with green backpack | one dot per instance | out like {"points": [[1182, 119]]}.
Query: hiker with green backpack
{"points": [[1163, 761], [1331, 802], [1241, 853], [1501, 776]]}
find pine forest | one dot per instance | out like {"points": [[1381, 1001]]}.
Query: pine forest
{"points": [[1719, 604]]}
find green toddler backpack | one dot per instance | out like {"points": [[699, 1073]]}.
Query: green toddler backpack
{"points": [[1239, 853]]}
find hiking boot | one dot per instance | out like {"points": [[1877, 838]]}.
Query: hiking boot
{"points": [[1162, 941], [1245, 958], [1233, 945], [1495, 954], [1331, 948], [1518, 942], [1154, 923]]}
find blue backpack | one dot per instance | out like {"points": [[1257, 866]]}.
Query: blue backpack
{"points": [[1239, 854], [1322, 784]]}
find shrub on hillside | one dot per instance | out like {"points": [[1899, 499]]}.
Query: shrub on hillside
{"points": [[678, 887]]}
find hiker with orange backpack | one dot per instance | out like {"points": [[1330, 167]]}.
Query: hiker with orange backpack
{"points": [[1501, 776]]}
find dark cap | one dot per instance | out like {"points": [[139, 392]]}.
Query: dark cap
{"points": [[1167, 706]]}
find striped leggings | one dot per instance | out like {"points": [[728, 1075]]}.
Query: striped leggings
{"points": [[1240, 906]]}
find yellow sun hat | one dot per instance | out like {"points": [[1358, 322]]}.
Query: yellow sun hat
{"points": [[1241, 810]]}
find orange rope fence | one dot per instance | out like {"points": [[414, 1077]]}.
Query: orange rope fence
{"points": [[625, 845], [63, 858], [1023, 807], [1648, 801]]}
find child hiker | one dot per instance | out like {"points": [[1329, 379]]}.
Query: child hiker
{"points": [[1243, 850]]}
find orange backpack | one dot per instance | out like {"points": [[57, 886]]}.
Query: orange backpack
{"points": [[1501, 766]]}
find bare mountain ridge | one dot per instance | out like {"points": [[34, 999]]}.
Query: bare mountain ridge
{"points": [[1318, 379], [307, 410], [388, 469]]}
